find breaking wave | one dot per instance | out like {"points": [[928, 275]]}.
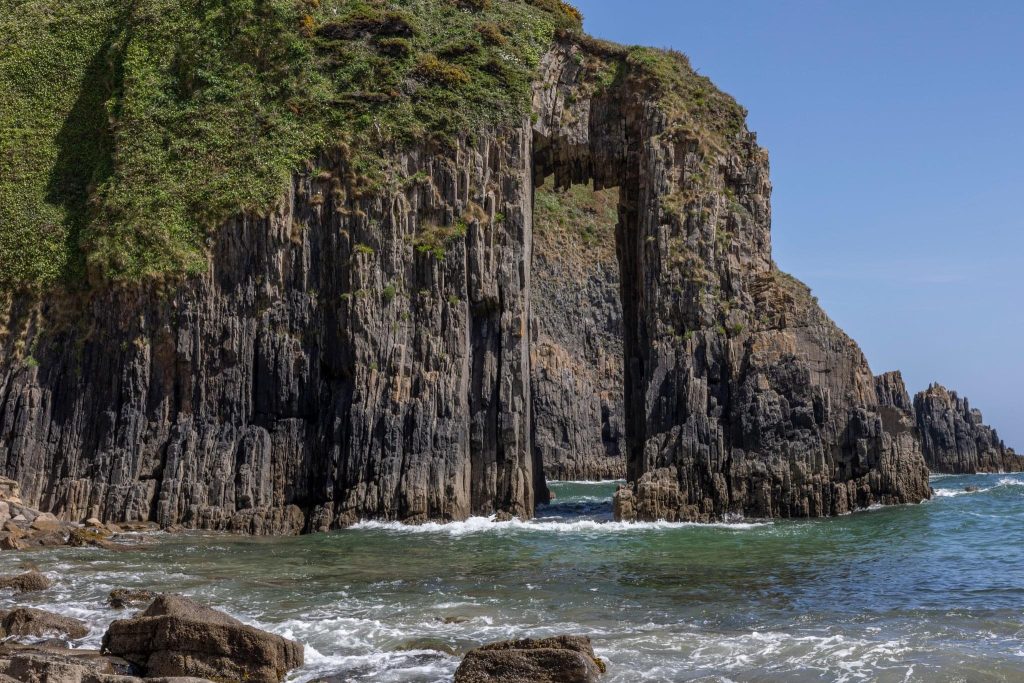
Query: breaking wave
{"points": [[481, 525]]}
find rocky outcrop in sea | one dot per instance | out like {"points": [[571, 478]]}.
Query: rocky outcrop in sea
{"points": [[174, 638], [955, 439]]}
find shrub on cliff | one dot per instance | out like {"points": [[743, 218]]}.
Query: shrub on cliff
{"points": [[129, 130]]}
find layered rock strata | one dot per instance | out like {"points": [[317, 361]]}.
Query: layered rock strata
{"points": [[366, 352], [955, 439]]}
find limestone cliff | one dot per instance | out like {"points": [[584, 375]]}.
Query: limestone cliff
{"points": [[382, 349], [954, 438]]}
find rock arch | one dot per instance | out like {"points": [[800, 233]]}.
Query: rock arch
{"points": [[365, 352], [741, 396]]}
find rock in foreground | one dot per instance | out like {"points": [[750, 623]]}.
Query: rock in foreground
{"points": [[23, 583], [43, 664], [177, 637], [561, 659], [28, 621]]}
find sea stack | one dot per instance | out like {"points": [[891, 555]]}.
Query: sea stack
{"points": [[955, 439]]}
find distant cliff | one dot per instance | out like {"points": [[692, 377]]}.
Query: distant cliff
{"points": [[955, 440], [576, 353], [285, 274]]}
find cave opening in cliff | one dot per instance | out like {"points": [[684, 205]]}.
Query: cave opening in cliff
{"points": [[576, 335]]}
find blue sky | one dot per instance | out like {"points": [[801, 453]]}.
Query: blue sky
{"points": [[896, 135]]}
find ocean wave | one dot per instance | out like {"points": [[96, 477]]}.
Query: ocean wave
{"points": [[952, 493], [478, 525], [567, 500], [376, 666]]}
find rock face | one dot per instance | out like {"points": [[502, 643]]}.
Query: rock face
{"points": [[366, 352], [177, 637], [560, 659], [741, 396], [954, 439], [576, 353]]}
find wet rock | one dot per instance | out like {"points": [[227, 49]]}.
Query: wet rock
{"points": [[560, 659], [955, 439], [428, 644], [23, 583], [126, 597], [40, 663], [175, 636], [98, 538], [28, 621], [94, 523], [970, 489], [45, 539], [54, 643], [454, 620]]}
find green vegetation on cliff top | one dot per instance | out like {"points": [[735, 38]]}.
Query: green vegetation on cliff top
{"points": [[130, 128]]}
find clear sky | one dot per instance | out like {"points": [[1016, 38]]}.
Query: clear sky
{"points": [[896, 136]]}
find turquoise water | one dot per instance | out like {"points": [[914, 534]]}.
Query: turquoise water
{"points": [[931, 592]]}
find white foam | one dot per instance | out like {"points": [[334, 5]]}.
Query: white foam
{"points": [[952, 493], [480, 525], [573, 500]]}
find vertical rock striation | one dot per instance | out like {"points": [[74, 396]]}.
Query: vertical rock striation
{"points": [[576, 354], [366, 351], [741, 397], [351, 355], [954, 439]]}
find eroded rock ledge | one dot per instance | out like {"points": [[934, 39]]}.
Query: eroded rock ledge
{"points": [[365, 354]]}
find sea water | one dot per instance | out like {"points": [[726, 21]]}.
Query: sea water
{"points": [[931, 592]]}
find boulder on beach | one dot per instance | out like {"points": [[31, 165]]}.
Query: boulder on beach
{"points": [[31, 580], [28, 621], [560, 659], [175, 636], [45, 521]]}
